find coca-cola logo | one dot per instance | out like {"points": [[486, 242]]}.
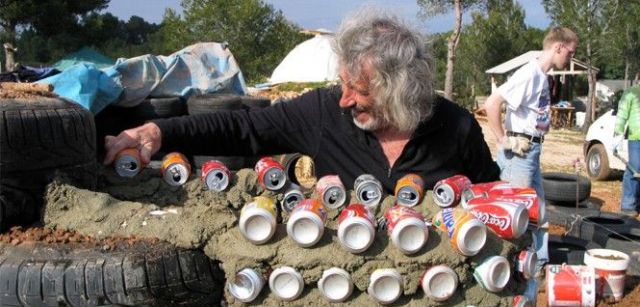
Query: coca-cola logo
{"points": [[490, 219]]}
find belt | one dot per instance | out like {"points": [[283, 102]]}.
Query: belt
{"points": [[533, 139]]}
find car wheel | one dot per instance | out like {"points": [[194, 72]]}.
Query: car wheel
{"points": [[561, 187], [598, 162]]}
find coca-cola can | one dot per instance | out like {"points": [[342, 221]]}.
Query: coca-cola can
{"points": [[368, 190], [215, 175], [447, 192], [271, 174], [175, 169], [525, 264], [292, 196], [406, 228], [356, 228], [409, 190], [481, 189], [331, 191], [507, 219], [128, 163], [529, 201]]}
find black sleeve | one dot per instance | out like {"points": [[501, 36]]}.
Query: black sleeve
{"points": [[290, 126], [476, 155]]}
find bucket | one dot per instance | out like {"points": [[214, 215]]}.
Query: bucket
{"points": [[580, 118], [611, 268], [570, 285]]}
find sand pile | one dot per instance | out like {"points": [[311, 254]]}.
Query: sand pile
{"points": [[192, 217]]}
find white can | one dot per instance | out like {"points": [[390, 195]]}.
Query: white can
{"points": [[286, 283], [525, 264], [356, 228], [258, 220], [247, 285], [439, 282], [335, 284], [306, 222], [368, 190], [385, 286], [493, 273]]}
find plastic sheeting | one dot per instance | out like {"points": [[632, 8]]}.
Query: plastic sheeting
{"points": [[311, 61], [197, 69]]}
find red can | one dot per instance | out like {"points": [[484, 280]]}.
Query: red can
{"points": [[128, 163], [406, 228], [508, 220], [570, 285], [357, 210], [331, 191], [481, 189], [175, 169], [521, 301], [215, 175], [356, 228], [271, 174], [447, 192], [409, 190]]}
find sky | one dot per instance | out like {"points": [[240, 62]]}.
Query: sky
{"points": [[326, 14]]}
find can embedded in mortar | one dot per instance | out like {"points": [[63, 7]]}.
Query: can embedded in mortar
{"points": [[385, 285], [271, 174], [331, 191], [128, 163], [356, 228], [439, 282], [306, 222], [447, 192], [292, 196], [335, 285], [175, 169], [247, 285], [406, 228], [409, 190], [215, 175], [368, 190], [466, 233], [525, 264], [258, 220], [286, 283], [493, 273], [508, 220]]}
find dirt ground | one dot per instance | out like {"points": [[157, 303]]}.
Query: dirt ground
{"points": [[562, 147]]}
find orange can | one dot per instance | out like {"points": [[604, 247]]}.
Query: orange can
{"points": [[409, 190], [466, 233], [128, 162], [175, 169]]}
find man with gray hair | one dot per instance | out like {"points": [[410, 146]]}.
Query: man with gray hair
{"points": [[383, 119]]}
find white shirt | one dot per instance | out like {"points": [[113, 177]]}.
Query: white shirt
{"points": [[528, 100]]}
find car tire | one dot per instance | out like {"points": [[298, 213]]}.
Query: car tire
{"points": [[252, 102], [564, 213], [39, 137], [209, 103], [39, 274], [598, 163], [568, 249], [561, 187], [153, 108]]}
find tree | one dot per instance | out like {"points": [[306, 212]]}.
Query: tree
{"points": [[258, 36], [592, 20], [436, 7]]}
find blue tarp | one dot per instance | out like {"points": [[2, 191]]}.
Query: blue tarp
{"points": [[85, 55], [198, 69]]}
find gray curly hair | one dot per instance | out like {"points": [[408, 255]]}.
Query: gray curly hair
{"points": [[403, 76]]}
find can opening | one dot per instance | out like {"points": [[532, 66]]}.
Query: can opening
{"points": [[475, 238], [442, 285], [258, 228], [336, 287], [242, 288], [500, 274], [286, 285], [357, 236], [386, 289], [305, 231], [412, 238]]}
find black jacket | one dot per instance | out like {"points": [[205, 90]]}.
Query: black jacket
{"points": [[449, 143]]}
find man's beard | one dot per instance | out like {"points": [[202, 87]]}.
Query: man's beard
{"points": [[373, 123]]}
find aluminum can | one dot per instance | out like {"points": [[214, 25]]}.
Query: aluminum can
{"points": [[507, 219], [247, 285], [215, 175], [385, 285], [335, 285], [306, 222], [175, 169], [521, 301], [368, 190], [271, 175], [356, 228], [128, 163], [525, 264], [406, 228], [439, 282], [331, 191], [493, 273], [481, 189], [258, 220], [570, 285], [286, 283], [447, 192], [292, 196], [466, 233], [409, 190]]}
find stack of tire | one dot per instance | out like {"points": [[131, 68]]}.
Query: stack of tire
{"points": [[39, 137], [114, 119]]}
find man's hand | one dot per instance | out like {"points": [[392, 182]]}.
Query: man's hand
{"points": [[517, 144], [146, 138], [617, 142]]}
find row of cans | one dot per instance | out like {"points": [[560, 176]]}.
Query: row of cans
{"points": [[386, 285]]}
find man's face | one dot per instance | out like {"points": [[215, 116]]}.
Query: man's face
{"points": [[357, 97], [564, 54]]}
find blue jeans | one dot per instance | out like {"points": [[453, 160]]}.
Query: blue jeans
{"points": [[631, 186], [525, 172]]}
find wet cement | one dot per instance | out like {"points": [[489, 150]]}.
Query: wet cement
{"points": [[192, 217]]}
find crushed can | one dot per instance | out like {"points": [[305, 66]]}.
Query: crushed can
{"points": [[215, 175], [271, 175], [368, 190], [175, 169], [128, 163], [409, 190]]}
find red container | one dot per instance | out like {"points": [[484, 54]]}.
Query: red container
{"points": [[570, 285], [508, 220], [447, 192], [215, 175], [271, 174]]}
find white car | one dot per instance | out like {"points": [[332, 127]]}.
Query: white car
{"points": [[598, 148]]}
